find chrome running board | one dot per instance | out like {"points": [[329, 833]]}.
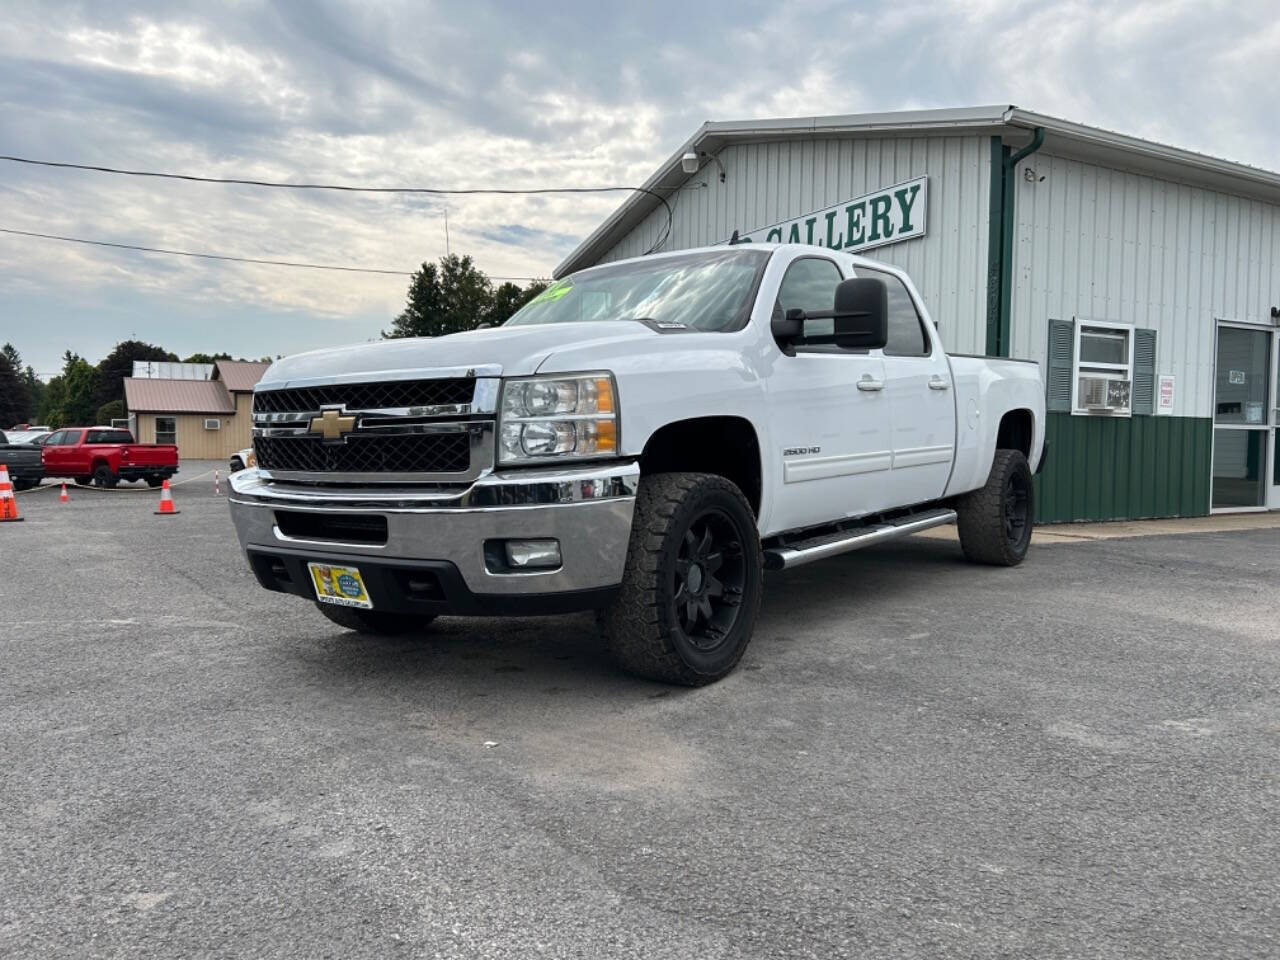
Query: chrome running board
{"points": [[828, 545]]}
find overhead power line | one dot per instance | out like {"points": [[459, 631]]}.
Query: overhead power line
{"points": [[351, 188], [219, 256]]}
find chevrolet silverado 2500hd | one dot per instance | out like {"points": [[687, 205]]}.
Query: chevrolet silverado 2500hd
{"points": [[644, 438]]}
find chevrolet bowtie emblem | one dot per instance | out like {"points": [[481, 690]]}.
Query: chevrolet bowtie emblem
{"points": [[331, 425]]}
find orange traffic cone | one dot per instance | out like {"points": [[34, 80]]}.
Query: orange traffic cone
{"points": [[8, 502], [166, 503], [62, 497]]}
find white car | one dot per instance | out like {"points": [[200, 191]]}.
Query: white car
{"points": [[243, 460], [644, 438], [27, 436]]}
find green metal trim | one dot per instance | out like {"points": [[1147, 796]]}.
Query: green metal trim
{"points": [[995, 244], [1124, 468], [1000, 241]]}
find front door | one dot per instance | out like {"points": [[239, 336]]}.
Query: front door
{"points": [[829, 416], [1244, 419], [921, 400]]}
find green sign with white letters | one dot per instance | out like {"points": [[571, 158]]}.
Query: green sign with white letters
{"points": [[886, 216]]}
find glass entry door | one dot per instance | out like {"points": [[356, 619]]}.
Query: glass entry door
{"points": [[1273, 500], [1245, 423]]}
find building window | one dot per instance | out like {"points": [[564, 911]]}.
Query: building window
{"points": [[166, 430], [1102, 378]]}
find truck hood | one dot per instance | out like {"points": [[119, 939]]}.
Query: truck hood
{"points": [[508, 351]]}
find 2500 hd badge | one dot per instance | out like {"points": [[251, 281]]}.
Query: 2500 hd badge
{"points": [[579, 457]]}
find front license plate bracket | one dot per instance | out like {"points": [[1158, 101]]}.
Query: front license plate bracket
{"points": [[339, 585]]}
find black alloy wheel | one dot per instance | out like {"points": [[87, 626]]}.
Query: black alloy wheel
{"points": [[687, 604], [709, 578], [1017, 509], [996, 520]]}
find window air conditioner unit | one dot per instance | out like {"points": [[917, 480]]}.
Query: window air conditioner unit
{"points": [[212, 424], [1104, 394]]}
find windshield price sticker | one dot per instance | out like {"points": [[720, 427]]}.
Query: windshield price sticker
{"points": [[557, 291]]}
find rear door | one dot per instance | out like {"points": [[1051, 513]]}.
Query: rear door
{"points": [[828, 415], [921, 397]]}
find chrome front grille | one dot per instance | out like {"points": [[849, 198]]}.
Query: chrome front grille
{"points": [[397, 431], [367, 396], [394, 453]]}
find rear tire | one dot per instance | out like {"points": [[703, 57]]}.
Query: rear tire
{"points": [[995, 521], [692, 584], [154, 482], [103, 477], [84, 481], [20, 485], [378, 622]]}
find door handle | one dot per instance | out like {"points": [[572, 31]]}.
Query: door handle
{"points": [[869, 384], [939, 383]]}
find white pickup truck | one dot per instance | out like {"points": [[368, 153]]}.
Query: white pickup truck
{"points": [[645, 438]]}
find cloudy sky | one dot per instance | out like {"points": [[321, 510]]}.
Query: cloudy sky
{"points": [[489, 94]]}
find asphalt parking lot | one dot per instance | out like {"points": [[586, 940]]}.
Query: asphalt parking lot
{"points": [[919, 758]]}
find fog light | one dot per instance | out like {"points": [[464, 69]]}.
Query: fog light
{"points": [[540, 554]]}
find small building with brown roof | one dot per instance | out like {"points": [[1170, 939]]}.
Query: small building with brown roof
{"points": [[207, 419]]}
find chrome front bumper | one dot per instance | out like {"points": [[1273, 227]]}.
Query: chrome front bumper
{"points": [[587, 509]]}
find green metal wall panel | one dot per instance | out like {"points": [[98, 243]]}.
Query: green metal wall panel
{"points": [[1124, 468]]}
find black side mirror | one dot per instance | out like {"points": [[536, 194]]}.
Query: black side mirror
{"points": [[787, 327], [860, 319], [862, 314]]}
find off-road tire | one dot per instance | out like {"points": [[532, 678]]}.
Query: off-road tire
{"points": [[20, 485], [379, 622], [154, 482], [103, 477], [642, 626], [986, 533]]}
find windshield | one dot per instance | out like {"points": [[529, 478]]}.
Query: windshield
{"points": [[705, 291]]}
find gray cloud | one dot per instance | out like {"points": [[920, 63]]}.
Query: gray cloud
{"points": [[475, 93]]}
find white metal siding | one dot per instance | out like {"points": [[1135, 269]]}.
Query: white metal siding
{"points": [[1111, 245], [770, 182]]}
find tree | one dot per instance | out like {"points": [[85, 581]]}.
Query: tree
{"points": [[35, 387], [49, 413], [509, 297], [80, 385], [15, 398], [446, 299], [110, 411], [15, 403], [206, 357], [118, 364]]}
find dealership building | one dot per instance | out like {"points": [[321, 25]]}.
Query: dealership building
{"points": [[1143, 278]]}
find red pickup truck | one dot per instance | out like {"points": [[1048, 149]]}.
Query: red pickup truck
{"points": [[105, 456]]}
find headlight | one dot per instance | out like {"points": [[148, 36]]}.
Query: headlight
{"points": [[553, 418]]}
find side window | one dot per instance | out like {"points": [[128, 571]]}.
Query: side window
{"points": [[166, 429], [906, 330], [69, 438], [810, 284]]}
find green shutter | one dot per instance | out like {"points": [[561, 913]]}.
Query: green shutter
{"points": [[1057, 383], [1144, 371]]}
